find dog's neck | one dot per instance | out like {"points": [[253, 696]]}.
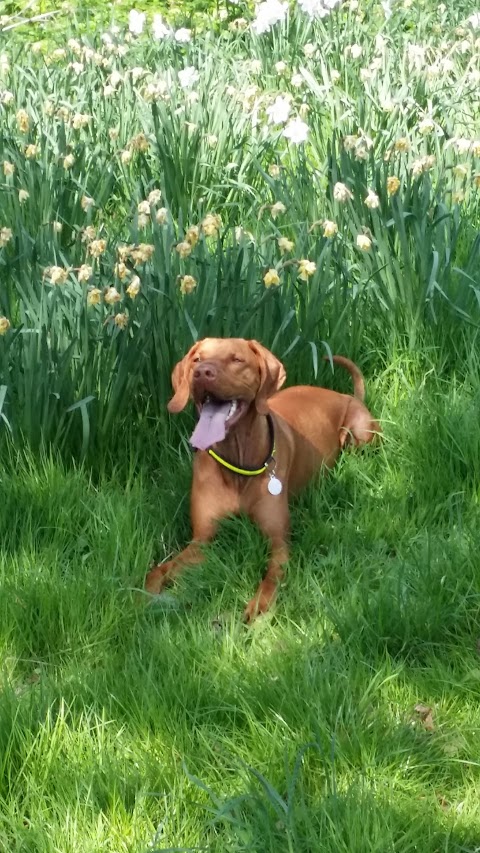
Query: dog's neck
{"points": [[247, 444]]}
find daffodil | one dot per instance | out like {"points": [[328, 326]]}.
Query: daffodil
{"points": [[363, 242], [306, 269], [112, 296], [271, 278], [5, 325], [330, 228], [341, 192], [187, 284], [393, 184]]}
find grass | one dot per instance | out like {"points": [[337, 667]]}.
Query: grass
{"points": [[129, 725]]}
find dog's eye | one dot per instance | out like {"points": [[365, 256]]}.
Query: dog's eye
{"points": [[237, 359], [197, 358]]}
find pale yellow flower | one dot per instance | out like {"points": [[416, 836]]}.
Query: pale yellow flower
{"points": [[363, 242], [277, 208], [476, 148], [349, 142], [4, 325], [402, 145], [211, 224], [187, 284], [114, 133], [8, 168], [80, 120], [142, 220], [184, 249], [89, 233], [426, 126], [458, 197], [309, 49], [48, 108], [23, 195], [460, 171], [23, 121], [154, 197], [94, 296], [142, 253], [393, 184], [7, 98], [63, 113], [31, 151], [476, 180], [144, 208], [126, 157], [97, 248], [86, 202], [372, 200], [57, 226], [112, 295], [330, 228], [57, 275], [192, 234], [361, 153], [68, 161], [84, 273], [6, 235], [120, 320], [161, 215], [121, 270], [274, 170], [76, 67], [423, 164], [133, 288], [306, 269], [280, 67], [341, 192], [285, 245], [271, 278], [124, 253], [139, 143]]}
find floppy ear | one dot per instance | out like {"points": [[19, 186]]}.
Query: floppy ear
{"points": [[181, 381], [272, 376]]}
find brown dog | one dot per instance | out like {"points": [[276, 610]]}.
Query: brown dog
{"points": [[256, 446]]}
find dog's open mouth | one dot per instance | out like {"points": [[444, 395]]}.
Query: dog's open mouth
{"points": [[216, 417]]}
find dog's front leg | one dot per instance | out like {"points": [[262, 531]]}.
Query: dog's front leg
{"points": [[210, 501], [272, 516]]}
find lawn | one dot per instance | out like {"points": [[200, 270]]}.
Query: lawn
{"points": [[161, 207]]}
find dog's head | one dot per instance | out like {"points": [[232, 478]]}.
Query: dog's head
{"points": [[225, 377]]}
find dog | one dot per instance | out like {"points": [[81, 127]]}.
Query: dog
{"points": [[256, 445]]}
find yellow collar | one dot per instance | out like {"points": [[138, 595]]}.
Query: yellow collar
{"points": [[249, 472]]}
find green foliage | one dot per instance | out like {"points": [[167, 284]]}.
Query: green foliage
{"points": [[111, 121]]}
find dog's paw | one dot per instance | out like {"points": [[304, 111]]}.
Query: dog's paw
{"points": [[157, 578], [261, 602]]}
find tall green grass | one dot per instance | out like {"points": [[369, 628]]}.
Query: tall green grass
{"points": [[68, 372]]}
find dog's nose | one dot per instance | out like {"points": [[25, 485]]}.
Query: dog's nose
{"points": [[205, 370]]}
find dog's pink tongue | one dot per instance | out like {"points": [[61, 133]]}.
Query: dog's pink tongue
{"points": [[211, 426]]}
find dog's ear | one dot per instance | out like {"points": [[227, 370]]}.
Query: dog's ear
{"points": [[272, 376], [181, 376]]}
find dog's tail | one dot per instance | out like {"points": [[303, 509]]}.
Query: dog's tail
{"points": [[355, 373]]}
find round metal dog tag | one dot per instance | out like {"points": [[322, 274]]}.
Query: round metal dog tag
{"points": [[274, 486]]}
